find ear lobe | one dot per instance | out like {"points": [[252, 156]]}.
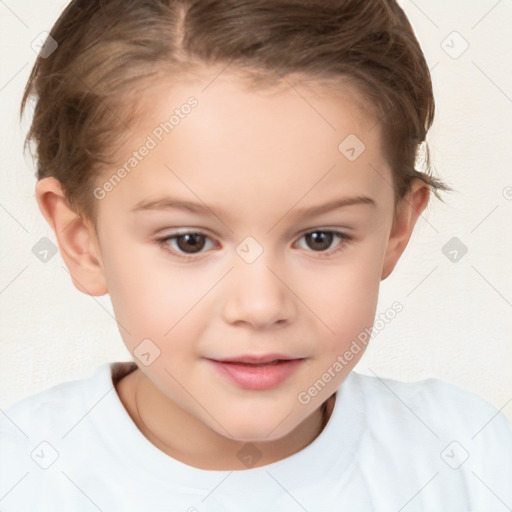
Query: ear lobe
{"points": [[408, 211], [76, 238]]}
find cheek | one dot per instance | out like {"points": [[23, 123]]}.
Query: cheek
{"points": [[153, 299], [345, 297], [140, 290]]}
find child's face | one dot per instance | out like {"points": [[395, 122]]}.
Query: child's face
{"points": [[254, 284]]}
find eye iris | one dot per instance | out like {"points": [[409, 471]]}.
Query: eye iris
{"points": [[324, 237], [190, 242]]}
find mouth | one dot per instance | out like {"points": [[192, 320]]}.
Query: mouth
{"points": [[256, 359], [257, 372]]}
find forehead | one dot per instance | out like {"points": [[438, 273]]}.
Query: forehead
{"points": [[250, 143], [233, 96]]}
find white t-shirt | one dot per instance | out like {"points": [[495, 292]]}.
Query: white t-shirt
{"points": [[388, 446]]}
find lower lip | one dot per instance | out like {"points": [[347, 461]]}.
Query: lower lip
{"points": [[257, 377]]}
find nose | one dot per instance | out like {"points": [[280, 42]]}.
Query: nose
{"points": [[258, 295]]}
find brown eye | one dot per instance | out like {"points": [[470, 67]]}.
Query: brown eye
{"points": [[185, 244], [321, 240], [190, 243]]}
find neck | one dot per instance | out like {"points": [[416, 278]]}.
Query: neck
{"points": [[187, 439]]}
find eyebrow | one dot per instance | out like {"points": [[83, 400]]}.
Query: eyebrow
{"points": [[168, 203]]}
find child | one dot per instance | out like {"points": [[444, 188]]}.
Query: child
{"points": [[258, 130]]}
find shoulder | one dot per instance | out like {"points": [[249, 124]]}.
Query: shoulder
{"points": [[452, 435], [437, 399], [56, 402], [440, 411], [29, 430], [54, 429], [49, 404], [52, 412]]}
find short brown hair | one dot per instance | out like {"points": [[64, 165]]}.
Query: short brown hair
{"points": [[109, 50]]}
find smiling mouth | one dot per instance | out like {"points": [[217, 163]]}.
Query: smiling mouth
{"points": [[256, 359], [256, 375], [271, 363]]}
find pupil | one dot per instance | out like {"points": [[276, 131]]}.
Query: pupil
{"points": [[323, 237], [190, 241]]}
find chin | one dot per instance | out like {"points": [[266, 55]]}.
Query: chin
{"points": [[255, 430]]}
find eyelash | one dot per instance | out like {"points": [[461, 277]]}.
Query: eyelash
{"points": [[344, 237]]}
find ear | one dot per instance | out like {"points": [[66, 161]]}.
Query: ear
{"points": [[408, 210], [76, 238]]}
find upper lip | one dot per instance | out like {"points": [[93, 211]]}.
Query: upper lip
{"points": [[255, 359]]}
